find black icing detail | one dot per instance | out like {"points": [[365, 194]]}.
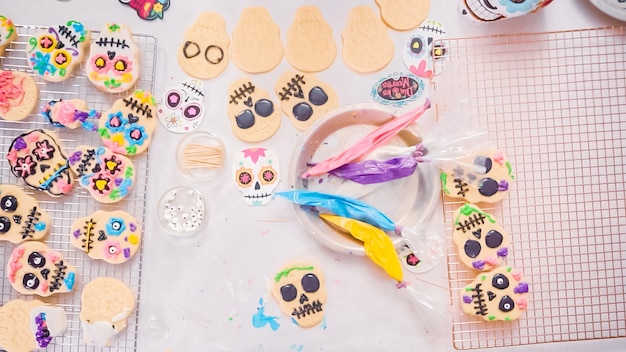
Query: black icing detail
{"points": [[506, 304], [85, 161], [192, 45], [68, 34], [491, 296], [139, 107], [102, 236], [88, 235], [477, 233], [214, 48], [29, 225], [484, 162], [8, 203], [132, 118], [307, 309], [500, 281], [248, 102], [58, 277], [264, 107], [303, 298], [302, 111], [43, 167], [310, 283], [241, 93], [293, 88], [245, 119], [17, 219], [45, 273], [462, 187], [96, 168], [317, 96], [488, 187], [472, 248], [111, 54], [416, 46], [36, 260], [479, 300], [494, 239], [5, 224], [288, 292], [112, 42], [30, 281], [471, 222], [193, 89]]}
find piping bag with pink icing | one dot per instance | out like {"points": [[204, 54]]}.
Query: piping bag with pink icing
{"points": [[378, 137]]}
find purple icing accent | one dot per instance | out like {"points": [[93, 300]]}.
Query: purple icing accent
{"points": [[522, 287], [80, 116], [43, 334], [503, 186], [126, 253], [503, 252], [133, 227], [478, 264], [75, 157], [76, 233], [467, 299], [118, 181], [19, 143], [374, 171]]}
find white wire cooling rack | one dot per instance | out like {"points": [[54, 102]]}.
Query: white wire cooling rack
{"points": [[555, 103], [64, 210]]}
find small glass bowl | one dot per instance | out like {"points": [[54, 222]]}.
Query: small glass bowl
{"points": [[200, 156], [182, 211]]}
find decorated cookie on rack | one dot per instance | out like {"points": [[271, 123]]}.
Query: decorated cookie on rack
{"points": [[21, 217], [500, 294], [35, 269], [113, 63], [367, 46], [18, 95], [128, 127], [29, 325], [181, 108], [106, 304], [310, 44], [253, 115], [304, 98], [54, 53], [256, 46], [36, 157], [111, 236], [423, 47], [483, 177], [204, 52], [256, 172], [70, 113], [403, 15], [107, 176], [8, 33]]}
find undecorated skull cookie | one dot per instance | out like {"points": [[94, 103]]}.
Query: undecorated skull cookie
{"points": [[204, 52], [301, 293], [181, 108], [256, 174], [7, 33], [499, 294], [253, 115], [257, 46], [310, 44], [423, 48], [484, 177], [493, 10], [106, 304], [111, 236], [403, 15], [35, 269], [21, 217], [18, 95], [480, 242], [70, 113], [29, 325], [367, 46]]}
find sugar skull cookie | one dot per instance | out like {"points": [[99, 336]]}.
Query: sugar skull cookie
{"points": [[181, 108], [500, 294], [29, 325], [35, 269], [367, 46], [128, 127], [310, 44], [257, 46], [36, 157], [70, 113], [301, 293], [113, 63], [111, 236], [256, 174], [253, 115], [21, 217], [7, 33], [55, 52], [18, 95], [204, 52], [489, 11], [403, 15]]}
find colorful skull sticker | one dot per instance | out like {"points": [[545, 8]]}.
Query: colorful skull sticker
{"points": [[301, 293], [70, 113], [128, 127], [181, 108], [256, 174], [29, 325], [496, 295], [7, 33], [111, 236], [107, 176], [113, 63], [35, 269], [21, 217], [54, 52], [148, 9], [37, 158], [253, 116], [493, 10], [423, 48], [18, 95]]}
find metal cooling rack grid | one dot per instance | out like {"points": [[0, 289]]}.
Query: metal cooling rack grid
{"points": [[64, 210], [555, 103]]}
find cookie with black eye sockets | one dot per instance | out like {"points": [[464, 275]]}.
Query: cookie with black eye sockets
{"points": [[21, 217], [253, 115]]}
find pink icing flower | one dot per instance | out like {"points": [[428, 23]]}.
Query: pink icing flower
{"points": [[522, 303], [112, 249], [498, 157], [66, 112], [32, 137], [12, 156], [101, 64], [53, 256], [493, 261], [517, 275], [44, 286], [64, 187]]}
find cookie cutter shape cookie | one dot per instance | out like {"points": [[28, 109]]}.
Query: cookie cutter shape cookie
{"points": [[37, 158], [128, 127], [18, 95], [29, 325], [253, 115], [106, 304], [310, 43], [21, 217], [500, 294], [7, 33], [256, 46], [55, 52], [367, 46], [70, 113], [35, 269], [256, 172], [113, 65], [304, 98], [204, 52], [107, 176], [403, 15], [181, 108], [113, 236]]}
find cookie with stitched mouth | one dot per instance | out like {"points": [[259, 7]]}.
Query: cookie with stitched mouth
{"points": [[21, 217]]}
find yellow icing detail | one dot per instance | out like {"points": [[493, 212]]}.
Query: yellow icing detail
{"points": [[100, 63], [120, 65], [118, 138], [97, 77], [100, 184], [133, 239], [110, 165], [127, 77]]}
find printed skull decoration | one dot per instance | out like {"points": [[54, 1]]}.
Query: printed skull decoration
{"points": [[256, 174], [423, 48], [54, 52], [304, 98], [301, 293], [21, 218], [493, 10], [148, 9], [253, 116], [34, 268], [496, 295], [113, 63], [181, 108], [28, 325], [480, 242], [484, 177]]}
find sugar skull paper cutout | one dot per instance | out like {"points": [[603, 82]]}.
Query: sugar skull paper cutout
{"points": [[35, 269], [181, 108], [18, 95], [56, 51], [7, 33], [253, 115], [496, 295], [70, 113], [128, 127], [21, 217], [423, 47], [301, 293], [36, 157], [148, 9], [256, 174], [29, 325], [113, 63], [493, 10]]}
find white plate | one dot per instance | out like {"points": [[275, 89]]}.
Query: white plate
{"points": [[613, 8], [407, 201]]}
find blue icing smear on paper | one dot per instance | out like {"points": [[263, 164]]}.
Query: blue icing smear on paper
{"points": [[259, 319], [297, 348]]}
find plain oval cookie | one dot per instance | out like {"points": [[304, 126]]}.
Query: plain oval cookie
{"points": [[18, 95], [29, 325], [8, 33], [70, 113], [367, 46], [21, 217], [204, 52], [403, 15], [256, 46], [310, 43], [253, 115]]}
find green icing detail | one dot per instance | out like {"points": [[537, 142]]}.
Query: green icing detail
{"points": [[10, 32], [131, 150], [112, 83], [103, 132], [507, 318], [467, 210], [444, 181], [114, 27], [483, 278], [288, 270], [467, 289], [510, 169], [129, 172], [491, 317], [508, 269], [115, 194]]}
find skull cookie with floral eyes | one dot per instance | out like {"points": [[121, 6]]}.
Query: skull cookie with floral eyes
{"points": [[21, 217], [256, 174], [181, 108], [35, 269], [300, 290], [253, 115], [423, 48]]}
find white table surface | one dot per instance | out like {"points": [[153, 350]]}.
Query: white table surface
{"points": [[200, 294]]}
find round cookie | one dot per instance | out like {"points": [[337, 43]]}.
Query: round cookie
{"points": [[106, 304], [257, 46], [403, 15], [367, 46], [8, 33], [29, 325], [18, 95], [21, 217], [310, 44], [204, 52], [253, 115], [70, 113]]}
